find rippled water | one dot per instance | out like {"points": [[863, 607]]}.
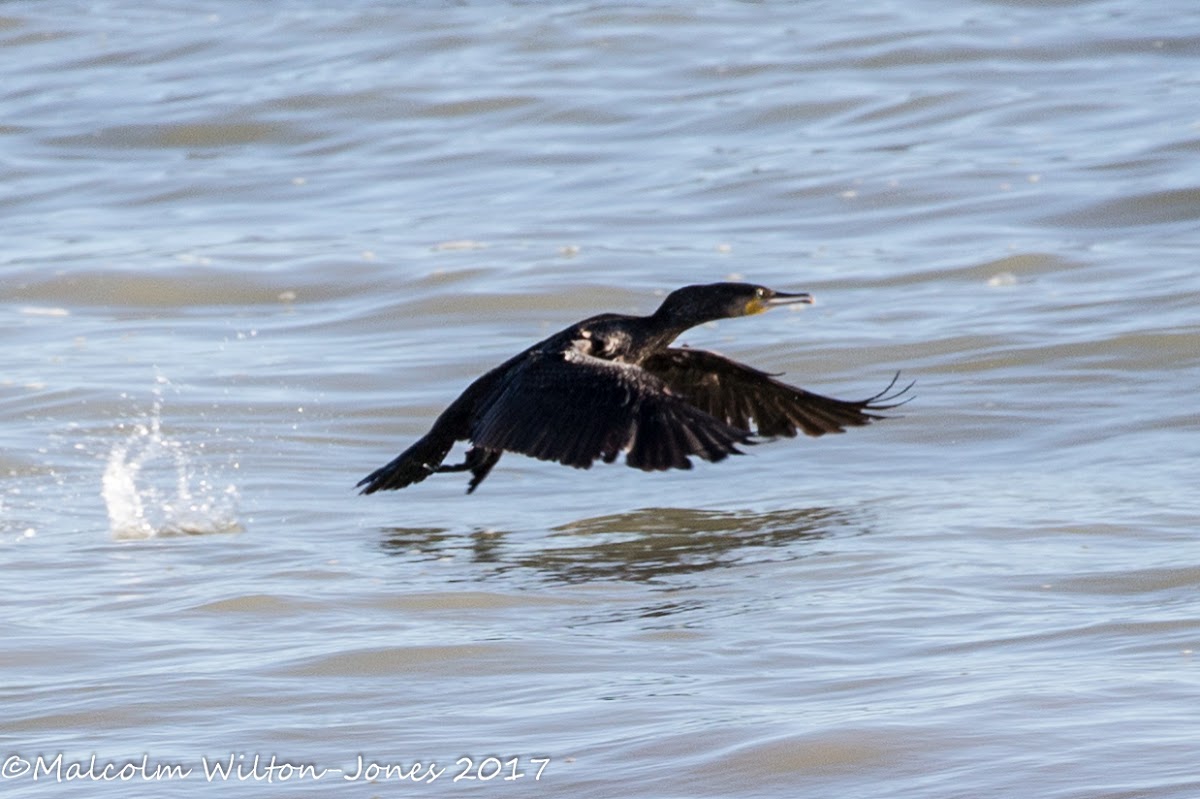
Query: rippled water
{"points": [[252, 250]]}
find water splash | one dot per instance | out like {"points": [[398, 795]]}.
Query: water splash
{"points": [[153, 485]]}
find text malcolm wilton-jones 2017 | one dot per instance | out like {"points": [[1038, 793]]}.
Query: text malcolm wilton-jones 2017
{"points": [[257, 768]]}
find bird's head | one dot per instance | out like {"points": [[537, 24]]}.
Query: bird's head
{"points": [[695, 305]]}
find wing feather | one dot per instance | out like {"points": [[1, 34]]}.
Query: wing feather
{"points": [[575, 409], [754, 401]]}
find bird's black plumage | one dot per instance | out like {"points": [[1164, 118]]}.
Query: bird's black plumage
{"points": [[612, 384]]}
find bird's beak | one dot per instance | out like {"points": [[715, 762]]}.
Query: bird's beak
{"points": [[777, 298], [783, 298]]}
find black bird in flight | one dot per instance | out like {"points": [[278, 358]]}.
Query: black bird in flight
{"points": [[612, 384]]}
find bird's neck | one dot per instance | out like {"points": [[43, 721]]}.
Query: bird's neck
{"points": [[662, 327], [676, 320]]}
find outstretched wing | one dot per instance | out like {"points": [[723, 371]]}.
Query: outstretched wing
{"points": [[754, 401], [575, 409]]}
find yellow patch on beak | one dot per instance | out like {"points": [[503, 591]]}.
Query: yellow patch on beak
{"points": [[756, 306]]}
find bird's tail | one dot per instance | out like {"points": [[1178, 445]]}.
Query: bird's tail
{"points": [[411, 466]]}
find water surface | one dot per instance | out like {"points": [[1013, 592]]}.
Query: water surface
{"points": [[251, 251]]}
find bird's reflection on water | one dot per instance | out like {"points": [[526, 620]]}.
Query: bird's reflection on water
{"points": [[641, 545]]}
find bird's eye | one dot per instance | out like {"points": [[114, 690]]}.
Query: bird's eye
{"points": [[760, 292]]}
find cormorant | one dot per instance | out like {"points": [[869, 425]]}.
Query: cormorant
{"points": [[611, 384]]}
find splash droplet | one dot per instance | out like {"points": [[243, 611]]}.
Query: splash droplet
{"points": [[155, 485]]}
